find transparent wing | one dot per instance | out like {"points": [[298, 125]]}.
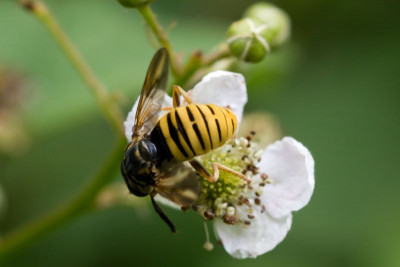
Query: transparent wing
{"points": [[179, 183], [153, 93]]}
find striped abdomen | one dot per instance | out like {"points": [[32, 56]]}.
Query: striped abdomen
{"points": [[195, 129]]}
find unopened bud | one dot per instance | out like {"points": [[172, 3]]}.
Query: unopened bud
{"points": [[246, 40], [134, 3], [276, 20]]}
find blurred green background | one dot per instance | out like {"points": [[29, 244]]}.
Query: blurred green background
{"points": [[335, 88]]}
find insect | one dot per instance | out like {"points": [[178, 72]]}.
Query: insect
{"points": [[155, 161]]}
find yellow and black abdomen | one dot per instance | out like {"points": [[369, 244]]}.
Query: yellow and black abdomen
{"points": [[195, 129]]}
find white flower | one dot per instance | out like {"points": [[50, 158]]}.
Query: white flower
{"points": [[249, 219], [283, 183]]}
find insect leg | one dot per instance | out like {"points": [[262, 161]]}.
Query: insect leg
{"points": [[177, 91], [216, 167], [203, 171], [212, 178], [176, 98], [161, 213], [185, 95]]}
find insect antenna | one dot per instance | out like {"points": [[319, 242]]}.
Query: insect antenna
{"points": [[162, 214]]}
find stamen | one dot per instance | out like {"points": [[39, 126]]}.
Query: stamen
{"points": [[243, 141], [230, 211], [209, 215], [229, 219], [258, 153], [263, 209], [240, 184], [207, 245], [259, 191]]}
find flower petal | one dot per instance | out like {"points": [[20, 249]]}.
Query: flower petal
{"points": [[290, 166], [262, 235], [223, 88], [130, 119]]}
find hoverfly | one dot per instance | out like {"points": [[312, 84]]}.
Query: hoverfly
{"points": [[154, 161]]}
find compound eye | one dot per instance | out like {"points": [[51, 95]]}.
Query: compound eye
{"points": [[134, 187], [130, 157], [147, 150], [130, 154]]}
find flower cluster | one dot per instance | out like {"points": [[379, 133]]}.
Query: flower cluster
{"points": [[249, 218]]}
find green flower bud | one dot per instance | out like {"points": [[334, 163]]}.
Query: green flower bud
{"points": [[134, 3], [246, 39], [276, 20]]}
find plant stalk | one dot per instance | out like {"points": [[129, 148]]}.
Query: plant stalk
{"points": [[21, 237], [148, 15], [108, 105]]}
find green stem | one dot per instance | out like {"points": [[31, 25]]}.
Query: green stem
{"points": [[83, 202], [151, 20], [107, 104], [198, 62], [193, 64], [222, 52]]}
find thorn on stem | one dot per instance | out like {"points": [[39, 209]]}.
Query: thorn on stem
{"points": [[197, 54], [34, 6], [28, 5]]}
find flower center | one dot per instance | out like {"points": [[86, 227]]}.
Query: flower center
{"points": [[220, 199], [228, 185]]}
